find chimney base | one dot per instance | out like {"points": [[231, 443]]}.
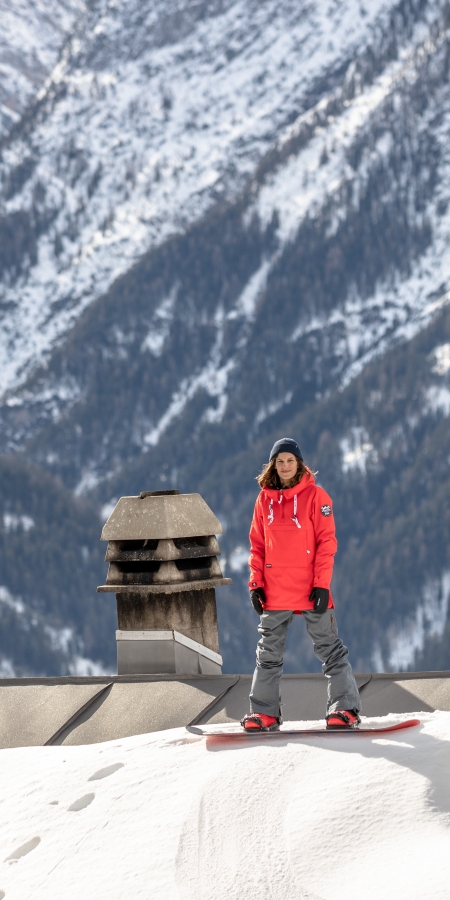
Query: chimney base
{"points": [[192, 613], [164, 653]]}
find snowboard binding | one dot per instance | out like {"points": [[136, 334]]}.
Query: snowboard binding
{"points": [[343, 718], [260, 722]]}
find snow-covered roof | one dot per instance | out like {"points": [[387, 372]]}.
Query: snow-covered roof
{"points": [[173, 815]]}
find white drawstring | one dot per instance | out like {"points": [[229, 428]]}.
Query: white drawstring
{"points": [[294, 517], [270, 517]]}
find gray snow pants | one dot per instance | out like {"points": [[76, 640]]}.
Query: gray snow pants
{"points": [[265, 693]]}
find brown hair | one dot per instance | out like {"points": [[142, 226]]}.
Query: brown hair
{"points": [[269, 476]]}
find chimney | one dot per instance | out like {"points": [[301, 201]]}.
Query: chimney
{"points": [[162, 553]]}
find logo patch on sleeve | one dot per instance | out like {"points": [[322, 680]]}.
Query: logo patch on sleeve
{"points": [[326, 509]]}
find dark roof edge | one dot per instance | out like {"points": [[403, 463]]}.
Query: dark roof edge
{"points": [[124, 679]]}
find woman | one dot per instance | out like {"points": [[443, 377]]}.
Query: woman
{"points": [[292, 547]]}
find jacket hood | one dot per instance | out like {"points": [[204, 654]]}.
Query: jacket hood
{"points": [[290, 492]]}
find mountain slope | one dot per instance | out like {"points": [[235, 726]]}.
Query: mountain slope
{"points": [[162, 329], [135, 138], [51, 560]]}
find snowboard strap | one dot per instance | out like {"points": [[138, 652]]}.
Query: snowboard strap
{"points": [[345, 719], [255, 718]]}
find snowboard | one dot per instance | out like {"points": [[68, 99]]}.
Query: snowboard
{"points": [[300, 732]]}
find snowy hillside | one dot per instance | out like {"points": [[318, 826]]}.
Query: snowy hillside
{"points": [[169, 815], [31, 36], [155, 114], [220, 223]]}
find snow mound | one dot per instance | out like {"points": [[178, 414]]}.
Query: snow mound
{"points": [[169, 815]]}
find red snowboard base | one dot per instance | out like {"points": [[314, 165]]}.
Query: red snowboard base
{"points": [[299, 732]]}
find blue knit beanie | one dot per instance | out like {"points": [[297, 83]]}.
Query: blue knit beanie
{"points": [[285, 445]]}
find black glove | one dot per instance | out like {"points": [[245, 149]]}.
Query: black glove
{"points": [[320, 597], [258, 599]]}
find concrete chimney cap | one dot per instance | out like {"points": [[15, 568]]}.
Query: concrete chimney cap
{"points": [[167, 516]]}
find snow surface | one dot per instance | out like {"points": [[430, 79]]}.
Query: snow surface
{"points": [[170, 815]]}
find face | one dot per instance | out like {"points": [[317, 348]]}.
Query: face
{"points": [[286, 466]]}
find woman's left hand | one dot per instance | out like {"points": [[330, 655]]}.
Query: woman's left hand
{"points": [[320, 596]]}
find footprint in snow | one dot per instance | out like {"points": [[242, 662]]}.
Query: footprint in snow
{"points": [[87, 799], [103, 773], [23, 850], [81, 803], [2, 894]]}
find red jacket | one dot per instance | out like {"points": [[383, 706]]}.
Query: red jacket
{"points": [[292, 544]]}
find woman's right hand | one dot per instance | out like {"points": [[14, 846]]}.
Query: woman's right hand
{"points": [[258, 599]]}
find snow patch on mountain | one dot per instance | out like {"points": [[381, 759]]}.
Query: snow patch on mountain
{"points": [[16, 522], [31, 36], [7, 669], [89, 480], [246, 304], [437, 399], [269, 409], [9, 600], [162, 320], [83, 667], [238, 558], [60, 638], [356, 450], [212, 378], [442, 359]]}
